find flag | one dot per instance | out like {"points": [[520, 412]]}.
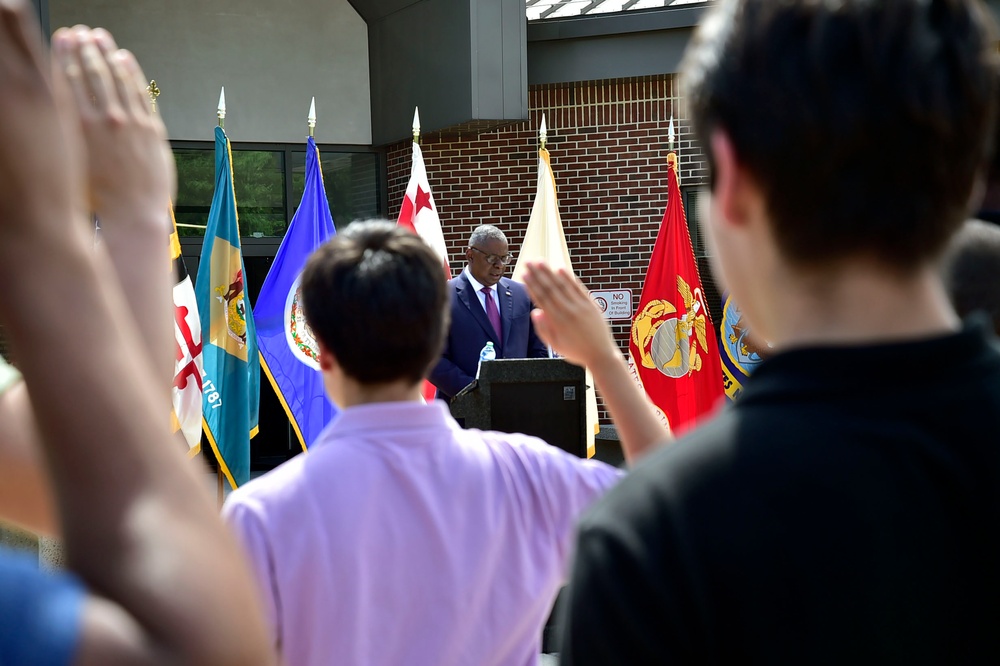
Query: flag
{"points": [[544, 240], [741, 352], [188, 368], [231, 383], [288, 351], [673, 353], [419, 214]]}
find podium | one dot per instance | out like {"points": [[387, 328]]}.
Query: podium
{"points": [[544, 397]]}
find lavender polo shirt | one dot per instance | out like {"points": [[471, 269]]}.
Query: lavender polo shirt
{"points": [[401, 538]]}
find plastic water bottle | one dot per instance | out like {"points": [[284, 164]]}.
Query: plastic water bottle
{"points": [[487, 354]]}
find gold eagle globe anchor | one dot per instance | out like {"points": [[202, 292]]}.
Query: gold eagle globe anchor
{"points": [[671, 344]]}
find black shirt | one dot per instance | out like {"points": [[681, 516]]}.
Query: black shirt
{"points": [[846, 510]]}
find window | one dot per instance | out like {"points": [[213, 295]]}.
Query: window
{"points": [[696, 208], [269, 181]]}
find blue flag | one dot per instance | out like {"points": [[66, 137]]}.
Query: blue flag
{"points": [[231, 386], [288, 350], [741, 352]]}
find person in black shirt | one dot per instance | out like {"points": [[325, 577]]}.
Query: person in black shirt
{"points": [[845, 510]]}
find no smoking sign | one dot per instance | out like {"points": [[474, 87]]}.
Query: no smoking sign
{"points": [[614, 303]]}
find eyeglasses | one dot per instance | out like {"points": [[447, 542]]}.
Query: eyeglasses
{"points": [[495, 258]]}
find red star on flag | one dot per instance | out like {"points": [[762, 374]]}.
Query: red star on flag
{"points": [[423, 200]]}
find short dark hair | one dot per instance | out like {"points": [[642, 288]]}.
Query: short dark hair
{"points": [[972, 270], [375, 296], [866, 123]]}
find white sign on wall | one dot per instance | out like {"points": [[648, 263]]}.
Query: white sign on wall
{"points": [[614, 303]]}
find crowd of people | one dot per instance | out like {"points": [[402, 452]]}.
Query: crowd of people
{"points": [[839, 512]]}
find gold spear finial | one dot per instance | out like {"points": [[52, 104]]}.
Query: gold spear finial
{"points": [[153, 93], [416, 124], [543, 133]]}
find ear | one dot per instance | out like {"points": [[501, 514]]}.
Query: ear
{"points": [[731, 180], [468, 254], [327, 361]]}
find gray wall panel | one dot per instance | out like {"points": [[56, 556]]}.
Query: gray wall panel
{"points": [[271, 56], [420, 57], [458, 60], [606, 57]]}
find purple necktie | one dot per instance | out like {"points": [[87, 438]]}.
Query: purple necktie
{"points": [[492, 313]]}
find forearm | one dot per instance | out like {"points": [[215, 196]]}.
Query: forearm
{"points": [[25, 492], [138, 251], [639, 428], [138, 526]]}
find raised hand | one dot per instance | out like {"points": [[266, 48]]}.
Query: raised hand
{"points": [[35, 146], [130, 177], [568, 319], [129, 163]]}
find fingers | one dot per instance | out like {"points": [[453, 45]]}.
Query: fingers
{"points": [[122, 83], [20, 43], [96, 75], [97, 72], [557, 291], [543, 330], [21, 29]]}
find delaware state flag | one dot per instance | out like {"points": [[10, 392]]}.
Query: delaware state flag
{"points": [[288, 350], [231, 386]]}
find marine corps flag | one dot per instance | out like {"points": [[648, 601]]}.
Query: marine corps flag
{"points": [[188, 368], [673, 352], [231, 383], [288, 351]]}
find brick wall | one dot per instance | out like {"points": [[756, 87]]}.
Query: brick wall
{"points": [[608, 145]]}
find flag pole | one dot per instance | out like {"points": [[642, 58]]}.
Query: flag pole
{"points": [[542, 137], [311, 120], [416, 124], [221, 112]]}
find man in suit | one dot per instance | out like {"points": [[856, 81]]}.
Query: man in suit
{"points": [[485, 306]]}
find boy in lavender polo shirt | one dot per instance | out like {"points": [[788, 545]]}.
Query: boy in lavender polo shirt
{"points": [[401, 538]]}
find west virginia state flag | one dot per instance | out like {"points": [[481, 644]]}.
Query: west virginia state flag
{"points": [[672, 351], [288, 350], [232, 368], [188, 368]]}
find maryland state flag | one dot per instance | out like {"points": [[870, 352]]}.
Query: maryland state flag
{"points": [[741, 353], [545, 240], [231, 383], [188, 368], [289, 354], [672, 351], [419, 214]]}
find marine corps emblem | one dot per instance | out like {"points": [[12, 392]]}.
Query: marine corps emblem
{"points": [[236, 309], [671, 343], [298, 334]]}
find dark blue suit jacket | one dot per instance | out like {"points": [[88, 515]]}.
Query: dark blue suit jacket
{"points": [[471, 330]]}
